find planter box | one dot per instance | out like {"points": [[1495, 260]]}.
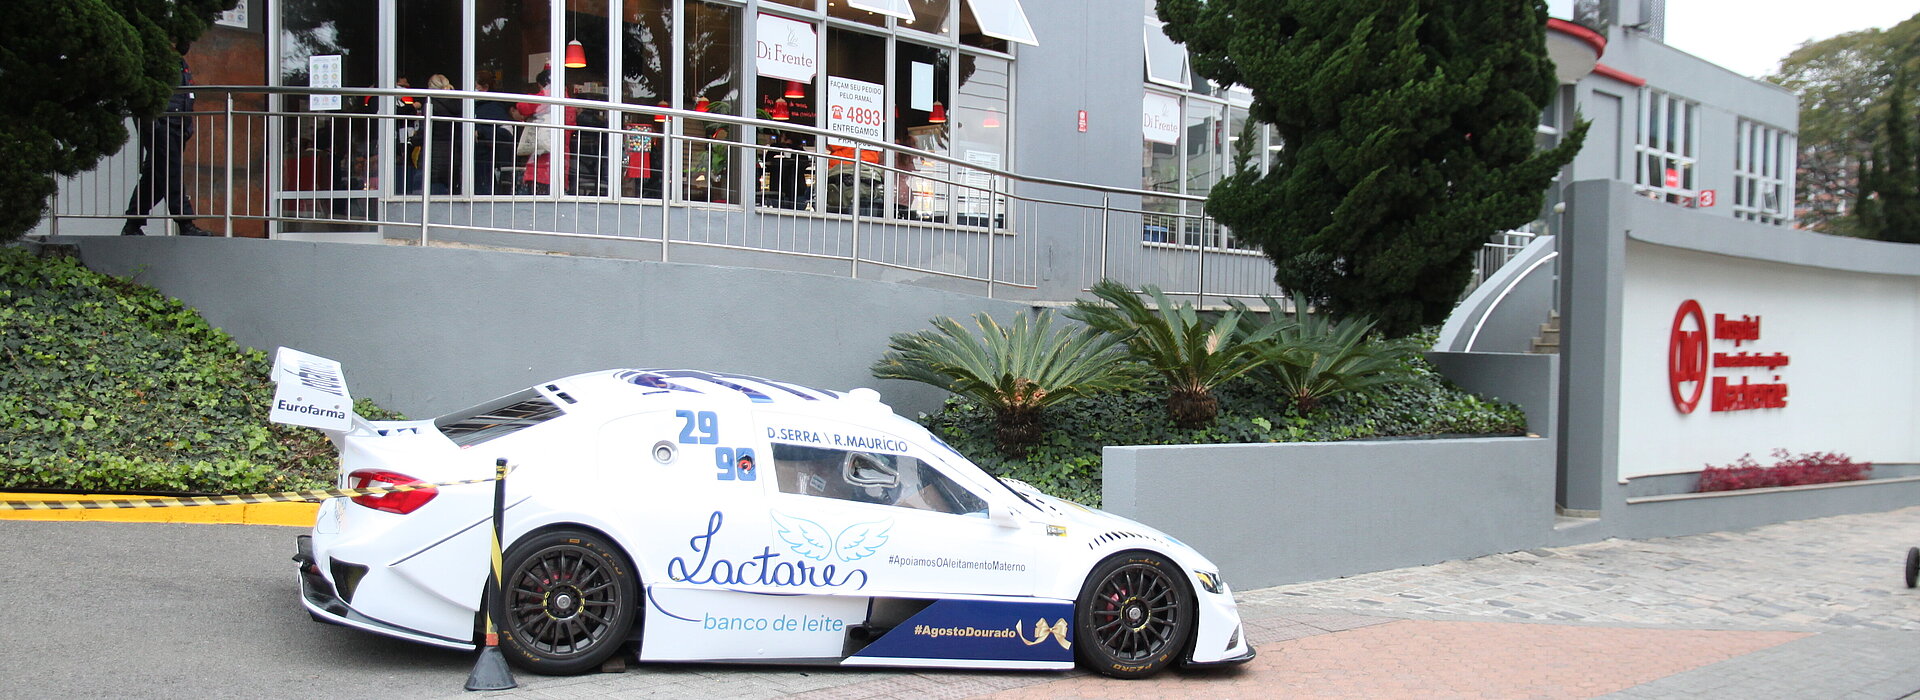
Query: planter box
{"points": [[1279, 513]]}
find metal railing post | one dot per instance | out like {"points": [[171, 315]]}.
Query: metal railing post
{"points": [[1200, 284], [667, 184], [227, 196], [993, 199], [856, 213], [426, 164], [1106, 236]]}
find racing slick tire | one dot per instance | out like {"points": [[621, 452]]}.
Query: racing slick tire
{"points": [[570, 600], [1134, 616], [1913, 566]]}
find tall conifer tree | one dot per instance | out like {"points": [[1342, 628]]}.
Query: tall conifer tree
{"points": [[1409, 132], [75, 70]]}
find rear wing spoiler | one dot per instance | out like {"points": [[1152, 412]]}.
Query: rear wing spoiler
{"points": [[311, 391]]}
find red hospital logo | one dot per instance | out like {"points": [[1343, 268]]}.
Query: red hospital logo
{"points": [[1687, 356]]}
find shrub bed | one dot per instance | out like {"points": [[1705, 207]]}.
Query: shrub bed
{"points": [[1066, 461], [1799, 470], [108, 385]]}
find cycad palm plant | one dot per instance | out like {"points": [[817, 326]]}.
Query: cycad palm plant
{"points": [[1314, 357], [1193, 352], [1015, 370]]}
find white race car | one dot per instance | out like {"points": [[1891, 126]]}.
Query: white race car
{"points": [[702, 516]]}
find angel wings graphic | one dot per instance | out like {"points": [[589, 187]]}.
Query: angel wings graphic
{"points": [[814, 541]]}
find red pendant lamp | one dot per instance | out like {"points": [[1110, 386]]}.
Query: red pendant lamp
{"points": [[939, 114], [661, 117], [780, 112], [796, 89], [702, 104], [576, 55]]}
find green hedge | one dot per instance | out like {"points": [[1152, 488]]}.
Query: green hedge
{"points": [[108, 385], [1066, 462]]}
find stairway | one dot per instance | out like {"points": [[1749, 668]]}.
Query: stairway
{"points": [[1548, 342]]}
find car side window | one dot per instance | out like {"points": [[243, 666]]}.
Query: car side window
{"points": [[870, 477]]}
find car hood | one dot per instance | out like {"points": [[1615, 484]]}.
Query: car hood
{"points": [[1104, 531]]}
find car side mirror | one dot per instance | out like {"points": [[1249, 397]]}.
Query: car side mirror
{"points": [[1004, 516]]}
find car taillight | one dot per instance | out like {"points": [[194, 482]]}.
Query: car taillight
{"points": [[402, 502]]}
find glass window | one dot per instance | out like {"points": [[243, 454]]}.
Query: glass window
{"points": [[803, 4], [334, 147], [981, 122], [930, 16], [588, 153], [843, 9], [427, 57], [1664, 166], [646, 78], [847, 186], [713, 85], [1166, 60], [870, 477], [1002, 19], [924, 113]]}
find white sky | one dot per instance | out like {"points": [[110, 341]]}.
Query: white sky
{"points": [[1750, 37]]}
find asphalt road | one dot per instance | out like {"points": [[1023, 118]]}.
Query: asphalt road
{"points": [[185, 611]]}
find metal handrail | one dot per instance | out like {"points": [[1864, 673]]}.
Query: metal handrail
{"points": [[670, 113]]}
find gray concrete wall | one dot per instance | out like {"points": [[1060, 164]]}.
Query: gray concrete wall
{"points": [[1281, 513], [429, 330], [1523, 379]]}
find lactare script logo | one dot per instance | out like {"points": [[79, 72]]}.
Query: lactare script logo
{"points": [[814, 541], [764, 569], [1691, 358]]}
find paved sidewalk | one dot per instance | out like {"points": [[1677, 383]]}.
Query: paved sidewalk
{"points": [[1809, 609]]}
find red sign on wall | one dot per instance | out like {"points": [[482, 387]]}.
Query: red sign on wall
{"points": [[1083, 121], [1673, 177], [1707, 198], [1689, 361]]}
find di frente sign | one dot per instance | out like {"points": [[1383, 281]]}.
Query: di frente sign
{"points": [[1698, 358]]}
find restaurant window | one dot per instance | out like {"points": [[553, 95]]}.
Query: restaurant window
{"points": [[923, 113], [712, 86], [647, 59], [855, 83], [331, 146], [426, 58]]}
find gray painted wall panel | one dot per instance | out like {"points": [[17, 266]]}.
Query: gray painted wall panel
{"points": [[1281, 513], [429, 330]]}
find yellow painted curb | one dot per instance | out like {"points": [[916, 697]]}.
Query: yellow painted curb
{"points": [[288, 514]]}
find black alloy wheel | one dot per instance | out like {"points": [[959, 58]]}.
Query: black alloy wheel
{"points": [[1134, 616], [570, 600]]}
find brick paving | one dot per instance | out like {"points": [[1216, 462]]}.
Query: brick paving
{"points": [[1809, 609]]}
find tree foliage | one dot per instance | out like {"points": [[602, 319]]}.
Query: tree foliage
{"points": [[1842, 83], [75, 70], [1890, 211], [1409, 130]]}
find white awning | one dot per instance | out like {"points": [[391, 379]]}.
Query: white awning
{"points": [[897, 8], [1003, 19]]}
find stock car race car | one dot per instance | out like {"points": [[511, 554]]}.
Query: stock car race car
{"points": [[701, 516]]}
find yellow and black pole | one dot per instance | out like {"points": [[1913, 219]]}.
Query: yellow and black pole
{"points": [[490, 671]]}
